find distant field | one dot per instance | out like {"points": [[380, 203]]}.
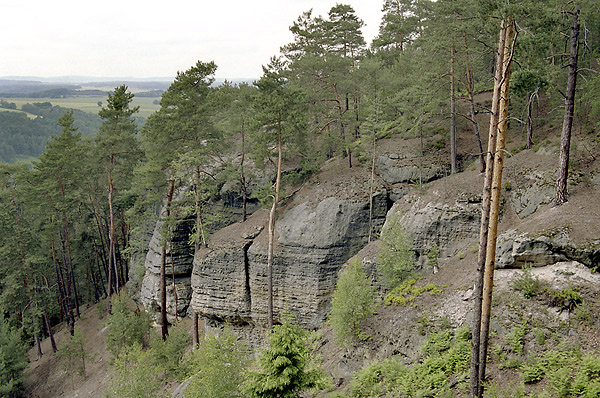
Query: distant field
{"points": [[89, 103]]}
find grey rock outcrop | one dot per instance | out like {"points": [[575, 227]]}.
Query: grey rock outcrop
{"points": [[537, 190], [394, 170], [229, 279], [516, 249], [441, 224]]}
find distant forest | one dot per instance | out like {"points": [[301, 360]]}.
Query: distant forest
{"points": [[22, 136]]}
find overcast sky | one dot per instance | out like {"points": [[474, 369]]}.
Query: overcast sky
{"points": [[150, 38]]}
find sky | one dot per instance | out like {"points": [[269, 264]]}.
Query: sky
{"points": [[150, 38]]}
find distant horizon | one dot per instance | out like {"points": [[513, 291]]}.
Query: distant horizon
{"points": [[105, 79]]}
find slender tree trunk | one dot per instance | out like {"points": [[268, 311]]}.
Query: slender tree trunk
{"points": [[59, 279], [488, 283], [453, 168], [196, 334], [38, 346], [67, 285], [485, 214], [372, 187], [470, 90], [49, 329], [530, 97], [565, 137], [111, 235], [272, 232], [243, 175], [163, 266]]}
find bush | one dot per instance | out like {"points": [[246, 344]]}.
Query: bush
{"points": [[286, 368], [136, 374], [73, 353], [126, 326], [353, 301], [526, 283], [396, 260], [407, 292], [168, 353], [217, 367]]}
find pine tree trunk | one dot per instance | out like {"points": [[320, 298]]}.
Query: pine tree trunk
{"points": [[111, 236], [196, 333], [272, 232], [565, 137], [485, 214], [49, 328], [163, 274], [453, 168], [470, 89], [530, 120], [488, 283]]}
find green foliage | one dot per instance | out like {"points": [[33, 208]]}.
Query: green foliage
{"points": [[73, 353], [286, 368], [136, 374], [445, 356], [396, 260], [432, 255], [516, 338], [526, 283], [217, 367], [568, 298], [407, 292], [169, 353], [353, 301], [13, 360], [126, 326], [376, 379]]}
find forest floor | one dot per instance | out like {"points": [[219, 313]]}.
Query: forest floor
{"points": [[47, 376]]}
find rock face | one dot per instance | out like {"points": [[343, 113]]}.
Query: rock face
{"points": [[229, 279], [517, 249], [394, 170], [441, 224]]}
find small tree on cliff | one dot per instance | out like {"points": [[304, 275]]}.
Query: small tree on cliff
{"points": [[279, 119]]}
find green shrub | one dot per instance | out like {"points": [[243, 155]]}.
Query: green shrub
{"points": [[407, 292], [126, 326], [169, 353], [136, 374], [526, 283], [286, 368], [378, 378], [73, 354], [353, 301], [396, 260], [445, 356], [217, 367], [568, 298]]}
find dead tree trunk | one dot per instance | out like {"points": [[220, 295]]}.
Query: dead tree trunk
{"points": [[488, 283], [565, 137], [485, 214]]}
